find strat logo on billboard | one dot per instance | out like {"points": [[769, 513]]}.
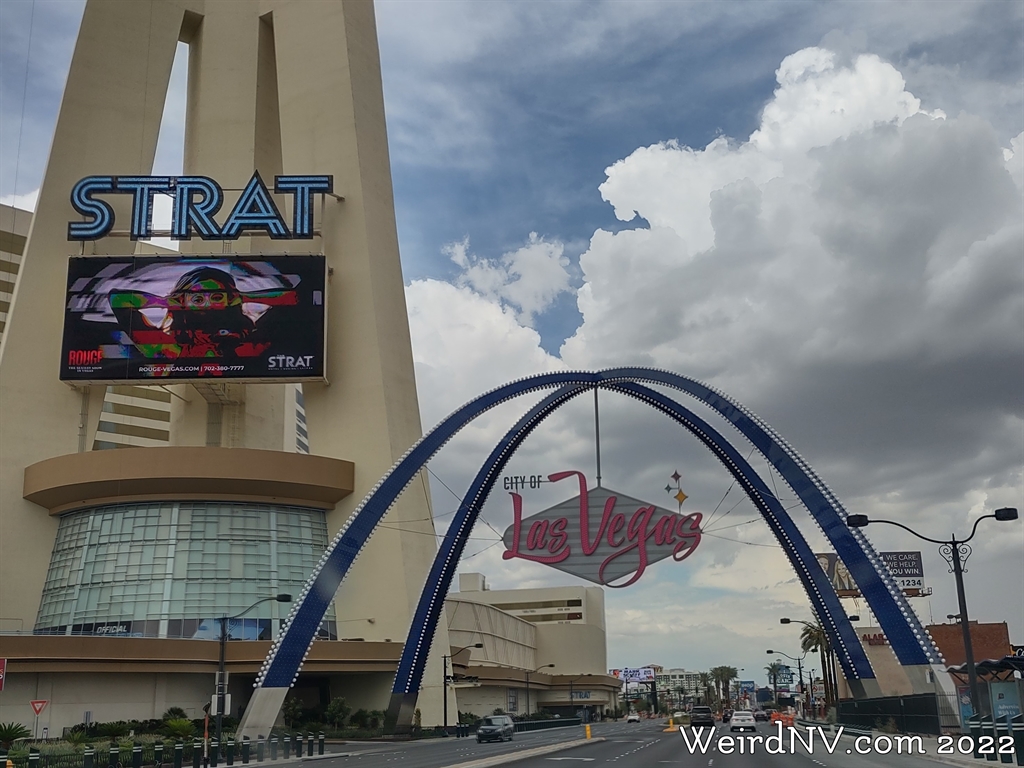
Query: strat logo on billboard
{"points": [[600, 535], [196, 200]]}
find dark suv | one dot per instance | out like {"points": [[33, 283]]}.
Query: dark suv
{"points": [[495, 728], [700, 716]]}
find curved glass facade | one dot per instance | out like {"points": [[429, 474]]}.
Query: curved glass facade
{"points": [[170, 568]]}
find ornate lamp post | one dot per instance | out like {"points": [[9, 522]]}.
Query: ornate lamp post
{"points": [[445, 693], [281, 598], [955, 552]]}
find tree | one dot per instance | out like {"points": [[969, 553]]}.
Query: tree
{"points": [[179, 728], [11, 732], [174, 713], [291, 710], [722, 677], [705, 684], [337, 712], [815, 638], [773, 671]]}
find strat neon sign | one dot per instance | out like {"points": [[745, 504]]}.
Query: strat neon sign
{"points": [[196, 200], [600, 535]]}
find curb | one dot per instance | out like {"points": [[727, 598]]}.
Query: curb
{"points": [[513, 757]]}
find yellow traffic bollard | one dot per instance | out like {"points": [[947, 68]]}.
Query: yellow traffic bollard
{"points": [[588, 730]]}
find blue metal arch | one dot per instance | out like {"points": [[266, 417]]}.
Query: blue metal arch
{"points": [[905, 633], [814, 580]]}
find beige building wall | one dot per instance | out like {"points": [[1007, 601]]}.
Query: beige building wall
{"points": [[274, 85], [507, 641], [108, 697], [14, 225], [576, 604], [891, 677]]}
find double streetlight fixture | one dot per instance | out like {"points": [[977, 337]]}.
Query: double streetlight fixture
{"points": [[281, 598], [955, 552], [445, 696]]}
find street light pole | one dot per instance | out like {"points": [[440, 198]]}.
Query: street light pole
{"points": [[530, 672], [445, 681], [826, 650], [799, 672], [572, 702], [281, 598], [955, 552]]}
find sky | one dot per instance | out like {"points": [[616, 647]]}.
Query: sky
{"points": [[816, 207]]}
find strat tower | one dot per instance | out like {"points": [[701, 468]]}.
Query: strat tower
{"points": [[183, 432]]}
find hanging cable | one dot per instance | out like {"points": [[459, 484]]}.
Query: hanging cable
{"points": [[21, 124]]}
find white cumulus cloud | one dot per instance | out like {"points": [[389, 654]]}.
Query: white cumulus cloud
{"points": [[851, 270]]}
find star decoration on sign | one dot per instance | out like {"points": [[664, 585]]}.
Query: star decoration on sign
{"points": [[679, 496]]}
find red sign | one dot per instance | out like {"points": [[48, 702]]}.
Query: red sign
{"points": [[39, 705], [601, 535], [3, 672]]}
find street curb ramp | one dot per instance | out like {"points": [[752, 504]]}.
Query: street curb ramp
{"points": [[513, 757]]}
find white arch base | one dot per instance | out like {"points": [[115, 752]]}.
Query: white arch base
{"points": [[261, 713]]}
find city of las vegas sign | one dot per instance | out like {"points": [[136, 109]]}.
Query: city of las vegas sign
{"points": [[601, 535]]}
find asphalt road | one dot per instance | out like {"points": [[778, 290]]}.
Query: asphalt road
{"points": [[440, 753], [636, 745], [645, 745]]}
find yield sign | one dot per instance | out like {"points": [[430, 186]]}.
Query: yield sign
{"points": [[39, 705]]}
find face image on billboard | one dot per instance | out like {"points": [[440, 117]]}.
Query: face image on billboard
{"points": [[170, 317]]}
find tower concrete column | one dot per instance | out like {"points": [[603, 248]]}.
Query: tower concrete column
{"points": [[278, 86]]}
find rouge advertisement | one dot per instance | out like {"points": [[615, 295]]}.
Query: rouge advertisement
{"points": [[152, 318]]}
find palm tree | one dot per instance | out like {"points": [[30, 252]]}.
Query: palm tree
{"points": [[705, 685], [814, 638], [722, 677], [773, 671]]}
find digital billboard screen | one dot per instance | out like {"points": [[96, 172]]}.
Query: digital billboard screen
{"points": [[160, 318]]}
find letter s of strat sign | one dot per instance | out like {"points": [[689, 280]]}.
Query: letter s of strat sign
{"points": [[600, 535], [197, 199]]}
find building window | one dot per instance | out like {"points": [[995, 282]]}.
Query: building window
{"points": [[170, 569]]}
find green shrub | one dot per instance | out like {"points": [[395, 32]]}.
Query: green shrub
{"points": [[291, 710], [113, 730], [174, 713], [77, 738], [337, 712], [179, 728], [11, 732]]}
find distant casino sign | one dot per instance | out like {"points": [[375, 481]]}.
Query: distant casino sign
{"points": [[159, 318], [196, 201], [600, 535]]}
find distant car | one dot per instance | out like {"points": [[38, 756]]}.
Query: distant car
{"points": [[702, 716], [495, 728], [678, 715], [760, 716], [742, 721], [632, 717], [726, 715]]}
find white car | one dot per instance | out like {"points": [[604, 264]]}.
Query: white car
{"points": [[632, 717], [742, 720]]}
